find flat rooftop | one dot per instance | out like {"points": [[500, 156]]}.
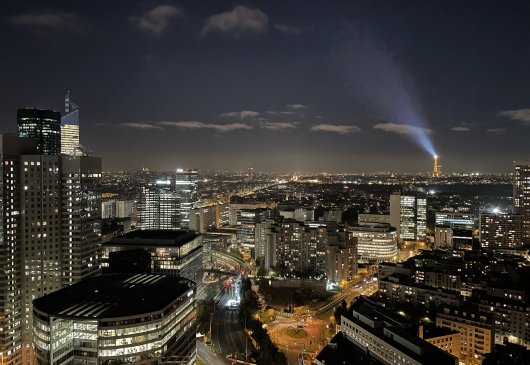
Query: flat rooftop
{"points": [[114, 296], [154, 237], [341, 351]]}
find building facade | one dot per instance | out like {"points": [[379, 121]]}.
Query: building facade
{"points": [[44, 126], [521, 195], [175, 253], [186, 190], [408, 214], [503, 231], [109, 319], [375, 242]]}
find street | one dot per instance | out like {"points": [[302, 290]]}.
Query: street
{"points": [[228, 336]]}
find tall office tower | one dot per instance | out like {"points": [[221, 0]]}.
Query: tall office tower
{"points": [[70, 128], [11, 309], [501, 231], [521, 195], [44, 125], [186, 184], [61, 223], [408, 213], [41, 240], [81, 217], [49, 234], [159, 207]]}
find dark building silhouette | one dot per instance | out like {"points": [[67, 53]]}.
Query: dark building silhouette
{"points": [[43, 125], [129, 261]]}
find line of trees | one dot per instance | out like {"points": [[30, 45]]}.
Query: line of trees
{"points": [[269, 352]]}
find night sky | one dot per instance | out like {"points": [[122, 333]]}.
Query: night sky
{"points": [[288, 86]]}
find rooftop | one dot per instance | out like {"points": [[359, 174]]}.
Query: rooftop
{"points": [[432, 331], [152, 237], [341, 351], [114, 296], [396, 332]]}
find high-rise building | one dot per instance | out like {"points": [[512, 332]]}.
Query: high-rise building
{"points": [[117, 319], [521, 195], [81, 217], [186, 185], [246, 225], [158, 207], [499, 230], [70, 128], [408, 213], [50, 229], [43, 125]]}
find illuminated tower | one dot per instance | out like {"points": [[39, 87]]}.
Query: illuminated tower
{"points": [[437, 171], [70, 128]]}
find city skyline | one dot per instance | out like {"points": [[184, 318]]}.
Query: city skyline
{"points": [[346, 87]]}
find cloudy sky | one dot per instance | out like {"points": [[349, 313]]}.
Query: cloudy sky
{"points": [[283, 85]]}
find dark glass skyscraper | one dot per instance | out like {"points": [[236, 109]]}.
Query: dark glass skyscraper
{"points": [[43, 125]]}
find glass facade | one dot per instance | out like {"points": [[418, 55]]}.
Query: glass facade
{"points": [[43, 125], [86, 339], [186, 183]]}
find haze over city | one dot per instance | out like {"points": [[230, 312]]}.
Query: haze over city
{"points": [[343, 86]]}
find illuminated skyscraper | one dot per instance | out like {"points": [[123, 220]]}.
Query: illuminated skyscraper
{"points": [[70, 128], [49, 228], [186, 184], [521, 195], [158, 207], [43, 125], [408, 213]]}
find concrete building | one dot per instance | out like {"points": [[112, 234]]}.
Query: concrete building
{"points": [[333, 215], [50, 218], [175, 253], [123, 318], [445, 339], [504, 231], [204, 218], [375, 242], [408, 213], [382, 338], [186, 190], [373, 218], [403, 289], [511, 316], [300, 214], [124, 208], [341, 259], [246, 225], [521, 195], [476, 330], [443, 237]]}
